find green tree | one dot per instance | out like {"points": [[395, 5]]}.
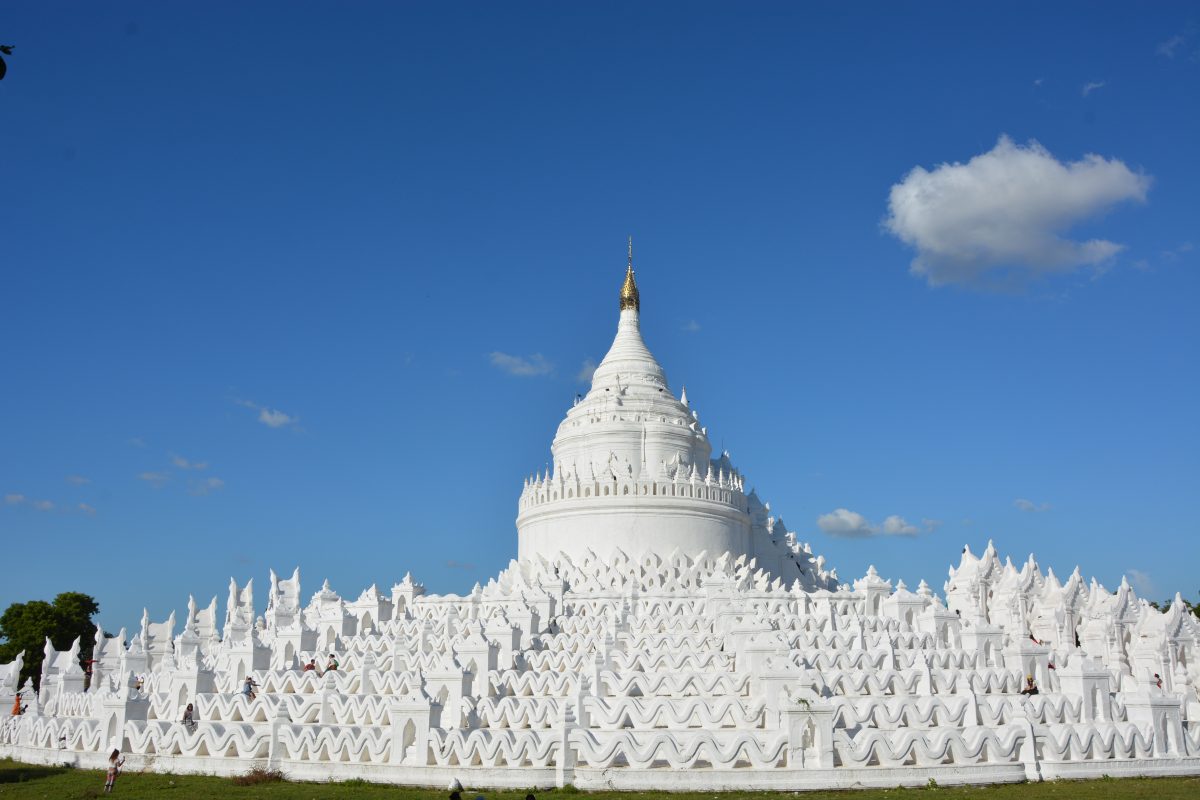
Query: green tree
{"points": [[25, 626], [1188, 604]]}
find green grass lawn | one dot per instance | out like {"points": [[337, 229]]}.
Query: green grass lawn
{"points": [[27, 782]]}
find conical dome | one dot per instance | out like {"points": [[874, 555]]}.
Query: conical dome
{"points": [[628, 360], [629, 356], [617, 456]]}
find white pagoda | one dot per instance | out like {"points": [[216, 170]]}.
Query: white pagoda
{"points": [[659, 629]]}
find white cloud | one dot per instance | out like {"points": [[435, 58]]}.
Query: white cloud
{"points": [[205, 486], [842, 522], [78, 480], [586, 370], [86, 509], [1030, 506], [523, 366], [274, 418], [1005, 210], [931, 525], [895, 525], [1092, 86], [183, 463], [1175, 252], [20, 499], [1142, 582], [852, 525], [155, 479], [1038, 81], [271, 417], [691, 326], [1170, 48]]}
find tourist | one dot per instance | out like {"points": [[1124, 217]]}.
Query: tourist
{"points": [[115, 762], [333, 663], [311, 665], [1030, 687], [248, 688], [1157, 680], [189, 719]]}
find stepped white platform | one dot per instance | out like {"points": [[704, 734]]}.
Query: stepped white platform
{"points": [[659, 629]]}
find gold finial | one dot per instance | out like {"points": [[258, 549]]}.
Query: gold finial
{"points": [[629, 290]]}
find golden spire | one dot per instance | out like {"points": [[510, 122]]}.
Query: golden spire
{"points": [[629, 290]]}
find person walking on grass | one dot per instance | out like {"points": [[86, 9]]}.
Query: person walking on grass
{"points": [[115, 762]]}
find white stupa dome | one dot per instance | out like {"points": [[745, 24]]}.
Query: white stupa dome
{"points": [[633, 471]]}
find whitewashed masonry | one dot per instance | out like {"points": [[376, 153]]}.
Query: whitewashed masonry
{"points": [[659, 629]]}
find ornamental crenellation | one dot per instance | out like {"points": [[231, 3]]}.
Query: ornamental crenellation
{"points": [[660, 627]]}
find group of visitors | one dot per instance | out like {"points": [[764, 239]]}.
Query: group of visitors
{"points": [[330, 666]]}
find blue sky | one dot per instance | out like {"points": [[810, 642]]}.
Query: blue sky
{"points": [[258, 261]]}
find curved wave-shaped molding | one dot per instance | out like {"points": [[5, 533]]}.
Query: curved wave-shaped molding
{"points": [[559, 661], [908, 747], [208, 739], [401, 684], [654, 684], [58, 734], [519, 712], [694, 642], [300, 708], [949, 659], [647, 625], [336, 743], [673, 661], [667, 652], [869, 682], [984, 680], [71, 704], [825, 661], [669, 607], [507, 748], [570, 643], [1095, 741], [354, 647], [415, 662], [533, 684], [687, 750], [1042, 708], [585, 626], [609, 713], [893, 712], [671, 670], [1192, 740], [891, 681]]}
